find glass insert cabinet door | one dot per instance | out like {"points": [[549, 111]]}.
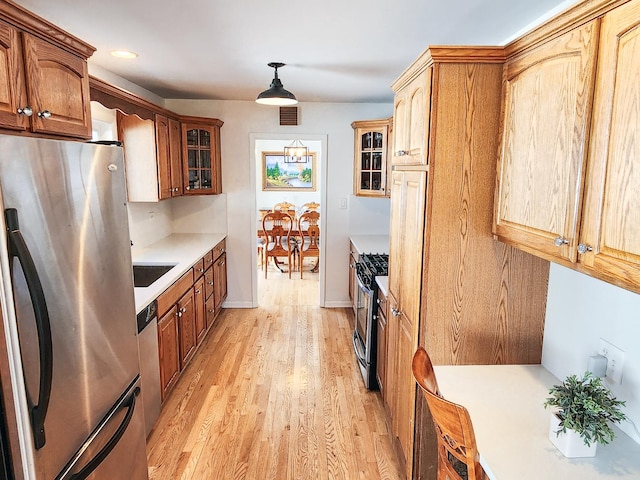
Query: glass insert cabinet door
{"points": [[370, 172], [198, 159], [201, 159]]}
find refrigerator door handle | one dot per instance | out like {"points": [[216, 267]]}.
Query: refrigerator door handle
{"points": [[113, 441], [18, 248]]}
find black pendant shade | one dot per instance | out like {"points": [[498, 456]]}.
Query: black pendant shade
{"points": [[276, 94]]}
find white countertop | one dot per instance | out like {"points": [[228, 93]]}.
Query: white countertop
{"points": [[512, 426], [183, 249], [370, 243], [383, 283]]}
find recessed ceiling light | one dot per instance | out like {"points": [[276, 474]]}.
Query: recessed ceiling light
{"points": [[123, 54]]}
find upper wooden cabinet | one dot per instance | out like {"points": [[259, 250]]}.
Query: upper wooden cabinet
{"points": [[371, 164], [43, 76], [547, 95], [201, 161], [569, 167], [411, 113], [175, 154]]}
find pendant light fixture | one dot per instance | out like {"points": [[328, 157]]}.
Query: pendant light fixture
{"points": [[297, 152], [276, 94]]}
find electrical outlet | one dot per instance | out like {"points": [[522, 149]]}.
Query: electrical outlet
{"points": [[615, 360]]}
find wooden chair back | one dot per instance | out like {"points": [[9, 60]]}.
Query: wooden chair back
{"points": [[276, 228], [309, 237], [286, 207], [458, 457], [310, 207]]}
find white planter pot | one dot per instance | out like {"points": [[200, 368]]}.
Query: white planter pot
{"points": [[569, 443]]}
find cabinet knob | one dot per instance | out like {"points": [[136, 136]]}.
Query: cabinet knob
{"points": [[378, 300], [210, 283], [560, 241], [26, 111], [584, 248], [221, 264], [175, 189], [187, 187], [44, 114], [401, 153], [396, 313], [198, 292]]}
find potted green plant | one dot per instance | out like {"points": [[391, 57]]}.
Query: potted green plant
{"points": [[584, 409]]}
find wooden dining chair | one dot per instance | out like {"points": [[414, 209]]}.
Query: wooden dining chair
{"points": [[458, 457], [276, 228], [309, 245]]}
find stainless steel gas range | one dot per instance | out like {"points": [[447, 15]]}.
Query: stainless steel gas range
{"points": [[369, 266]]}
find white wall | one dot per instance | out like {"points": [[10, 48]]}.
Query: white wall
{"points": [[580, 311], [243, 118]]}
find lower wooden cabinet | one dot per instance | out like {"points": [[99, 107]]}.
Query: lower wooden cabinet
{"points": [[188, 309], [168, 346], [382, 345], [199, 304], [219, 282], [187, 327]]}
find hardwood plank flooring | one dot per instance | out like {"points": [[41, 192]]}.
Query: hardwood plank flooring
{"points": [[274, 393]]}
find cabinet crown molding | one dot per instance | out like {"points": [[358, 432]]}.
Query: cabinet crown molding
{"points": [[449, 54], [27, 21]]}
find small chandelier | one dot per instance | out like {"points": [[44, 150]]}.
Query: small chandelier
{"points": [[276, 94], [296, 153]]}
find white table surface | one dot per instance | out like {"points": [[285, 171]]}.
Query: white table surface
{"points": [[370, 243], [182, 249], [512, 426]]}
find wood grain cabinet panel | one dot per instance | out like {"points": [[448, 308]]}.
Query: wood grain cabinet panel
{"points": [[175, 155], [610, 230], [548, 95], [569, 170], [13, 94], [411, 115], [43, 77], [187, 327], [169, 349], [219, 282], [200, 312]]}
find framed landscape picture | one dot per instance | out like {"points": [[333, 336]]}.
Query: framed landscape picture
{"points": [[278, 175]]}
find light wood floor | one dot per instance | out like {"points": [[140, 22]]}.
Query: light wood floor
{"points": [[274, 393]]}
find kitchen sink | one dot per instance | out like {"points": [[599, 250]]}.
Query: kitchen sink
{"points": [[145, 275]]}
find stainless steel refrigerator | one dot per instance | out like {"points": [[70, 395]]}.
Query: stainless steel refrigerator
{"points": [[68, 286]]}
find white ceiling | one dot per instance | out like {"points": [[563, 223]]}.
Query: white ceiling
{"points": [[335, 50]]}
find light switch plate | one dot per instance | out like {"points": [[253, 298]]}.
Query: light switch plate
{"points": [[615, 360]]}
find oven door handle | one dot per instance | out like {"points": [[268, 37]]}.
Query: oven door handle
{"points": [[362, 286], [357, 347]]}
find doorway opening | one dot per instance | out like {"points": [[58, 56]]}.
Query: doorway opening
{"points": [[301, 184]]}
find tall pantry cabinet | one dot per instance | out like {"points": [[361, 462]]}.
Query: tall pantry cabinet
{"points": [[453, 289]]}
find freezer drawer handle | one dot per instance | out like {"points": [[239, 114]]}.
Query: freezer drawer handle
{"points": [[113, 441], [18, 248]]}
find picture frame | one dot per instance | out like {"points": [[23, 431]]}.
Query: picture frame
{"points": [[280, 176]]}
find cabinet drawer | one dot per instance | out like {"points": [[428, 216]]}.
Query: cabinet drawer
{"points": [[198, 268], [172, 294], [208, 282], [208, 259], [219, 249]]}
